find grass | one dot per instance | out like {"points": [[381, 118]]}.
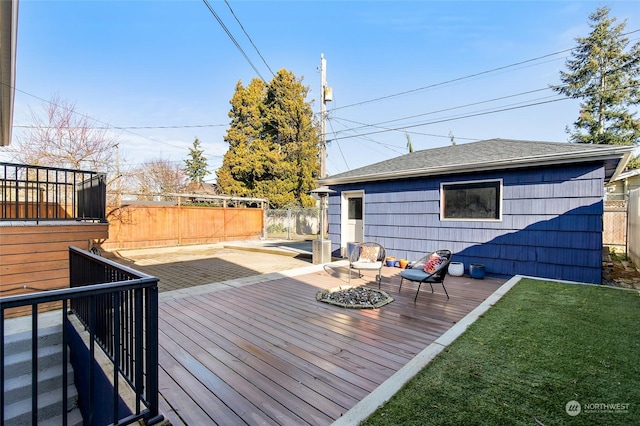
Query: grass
{"points": [[542, 345]]}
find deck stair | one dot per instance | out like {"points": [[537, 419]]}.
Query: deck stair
{"points": [[17, 385]]}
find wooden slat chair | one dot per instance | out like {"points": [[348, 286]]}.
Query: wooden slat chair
{"points": [[367, 256], [430, 269]]}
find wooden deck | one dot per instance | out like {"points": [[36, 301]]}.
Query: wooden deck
{"points": [[269, 353]]}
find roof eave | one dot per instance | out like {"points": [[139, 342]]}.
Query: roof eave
{"points": [[8, 36], [621, 165], [622, 152]]}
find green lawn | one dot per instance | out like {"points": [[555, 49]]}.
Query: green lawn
{"points": [[542, 345]]}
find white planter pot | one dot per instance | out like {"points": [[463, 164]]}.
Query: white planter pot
{"points": [[456, 269]]}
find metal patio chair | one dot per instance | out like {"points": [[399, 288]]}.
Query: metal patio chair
{"points": [[367, 256], [430, 269]]}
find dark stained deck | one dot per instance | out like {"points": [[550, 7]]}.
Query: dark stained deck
{"points": [[269, 353]]}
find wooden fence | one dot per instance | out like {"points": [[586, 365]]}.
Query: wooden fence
{"points": [[136, 226], [21, 210], [615, 225]]}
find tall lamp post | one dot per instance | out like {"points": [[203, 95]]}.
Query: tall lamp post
{"points": [[321, 248]]}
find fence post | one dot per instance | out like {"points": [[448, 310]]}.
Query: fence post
{"points": [[264, 221], [180, 224]]}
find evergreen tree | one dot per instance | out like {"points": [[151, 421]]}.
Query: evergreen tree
{"points": [[196, 164], [273, 143], [249, 159], [634, 163], [604, 75]]}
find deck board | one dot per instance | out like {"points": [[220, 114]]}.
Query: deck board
{"points": [[300, 340], [185, 410], [294, 321], [231, 371], [261, 360], [269, 353]]}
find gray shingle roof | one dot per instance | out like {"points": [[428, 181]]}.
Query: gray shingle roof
{"points": [[492, 154]]}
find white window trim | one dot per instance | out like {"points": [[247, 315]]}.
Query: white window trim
{"points": [[466, 182]]}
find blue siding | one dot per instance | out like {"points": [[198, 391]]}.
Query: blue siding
{"points": [[551, 223]]}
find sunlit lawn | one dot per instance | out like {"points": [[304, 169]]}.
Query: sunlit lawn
{"points": [[541, 346]]}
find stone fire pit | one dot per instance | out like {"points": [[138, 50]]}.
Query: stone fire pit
{"points": [[354, 297]]}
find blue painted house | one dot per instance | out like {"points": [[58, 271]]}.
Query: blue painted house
{"points": [[518, 207]]}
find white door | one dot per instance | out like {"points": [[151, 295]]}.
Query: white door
{"points": [[355, 222]]}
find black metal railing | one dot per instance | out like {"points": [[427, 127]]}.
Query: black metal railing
{"points": [[118, 307], [48, 193]]}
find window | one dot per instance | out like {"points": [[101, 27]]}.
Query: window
{"points": [[355, 208], [479, 200]]}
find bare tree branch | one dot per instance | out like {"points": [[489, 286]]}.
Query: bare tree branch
{"points": [[63, 137], [159, 176]]}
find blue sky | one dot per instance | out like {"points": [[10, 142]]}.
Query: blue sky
{"points": [[169, 63]]}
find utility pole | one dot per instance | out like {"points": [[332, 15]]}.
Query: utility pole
{"points": [[326, 96]]}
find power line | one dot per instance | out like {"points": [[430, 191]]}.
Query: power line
{"points": [[503, 108], [364, 125], [363, 136], [169, 161], [245, 33], [339, 147], [431, 86], [137, 127], [465, 77], [226, 30], [108, 126], [455, 118]]}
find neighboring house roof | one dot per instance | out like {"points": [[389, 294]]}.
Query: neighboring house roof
{"points": [[202, 188], [492, 154], [8, 38], [626, 175]]}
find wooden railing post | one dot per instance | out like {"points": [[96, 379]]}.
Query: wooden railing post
{"points": [[152, 354]]}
